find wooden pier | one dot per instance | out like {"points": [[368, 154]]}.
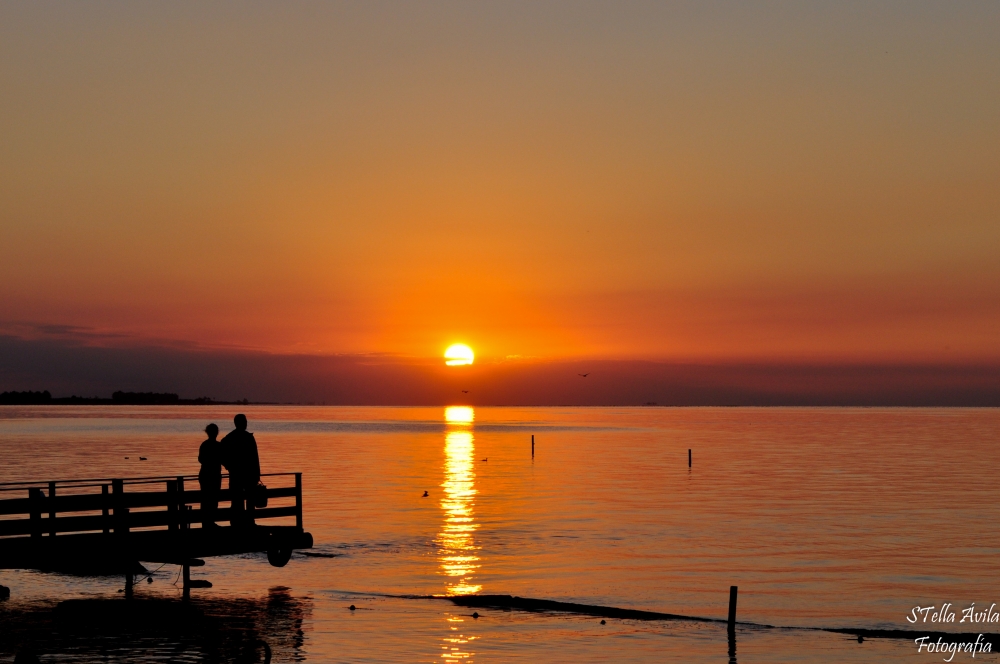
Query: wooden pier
{"points": [[106, 526]]}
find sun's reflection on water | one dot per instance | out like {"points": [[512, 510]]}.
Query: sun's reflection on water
{"points": [[455, 644], [457, 551], [458, 554], [458, 415]]}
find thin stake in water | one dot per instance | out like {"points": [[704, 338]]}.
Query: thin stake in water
{"points": [[732, 608]]}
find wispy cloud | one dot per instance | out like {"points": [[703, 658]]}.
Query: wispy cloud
{"points": [[71, 333]]}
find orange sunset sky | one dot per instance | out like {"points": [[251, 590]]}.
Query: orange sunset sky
{"points": [[682, 182]]}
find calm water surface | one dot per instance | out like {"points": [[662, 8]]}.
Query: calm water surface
{"points": [[822, 517]]}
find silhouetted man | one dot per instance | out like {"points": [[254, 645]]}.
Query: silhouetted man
{"points": [[239, 455]]}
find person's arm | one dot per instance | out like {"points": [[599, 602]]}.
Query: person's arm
{"points": [[226, 455], [254, 458]]}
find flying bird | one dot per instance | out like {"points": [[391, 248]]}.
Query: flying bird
{"points": [[465, 391], [584, 375]]}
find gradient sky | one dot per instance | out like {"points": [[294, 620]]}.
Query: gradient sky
{"points": [[688, 181]]}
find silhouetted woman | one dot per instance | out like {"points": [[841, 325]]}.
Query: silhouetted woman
{"points": [[210, 476]]}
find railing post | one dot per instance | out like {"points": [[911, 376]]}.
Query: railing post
{"points": [[181, 505], [298, 500], [121, 512], [52, 509], [171, 505], [35, 498], [104, 510]]}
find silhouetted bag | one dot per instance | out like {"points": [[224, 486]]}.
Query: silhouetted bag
{"points": [[260, 496]]}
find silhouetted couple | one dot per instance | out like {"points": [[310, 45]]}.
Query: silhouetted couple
{"points": [[238, 453]]}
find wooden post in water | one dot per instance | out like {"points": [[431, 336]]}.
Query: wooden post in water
{"points": [[187, 581], [52, 509], [689, 457], [532, 446], [732, 608]]}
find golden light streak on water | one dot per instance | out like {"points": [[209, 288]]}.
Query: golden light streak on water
{"points": [[456, 643], [458, 555]]}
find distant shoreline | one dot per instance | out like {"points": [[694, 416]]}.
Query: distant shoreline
{"points": [[157, 399], [45, 398]]}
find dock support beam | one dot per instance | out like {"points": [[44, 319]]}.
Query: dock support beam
{"points": [[186, 574]]}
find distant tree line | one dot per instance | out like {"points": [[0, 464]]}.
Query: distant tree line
{"points": [[25, 398], [118, 398]]}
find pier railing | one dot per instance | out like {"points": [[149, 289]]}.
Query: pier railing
{"points": [[119, 506]]}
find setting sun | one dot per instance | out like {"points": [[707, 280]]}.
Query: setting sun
{"points": [[458, 354]]}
